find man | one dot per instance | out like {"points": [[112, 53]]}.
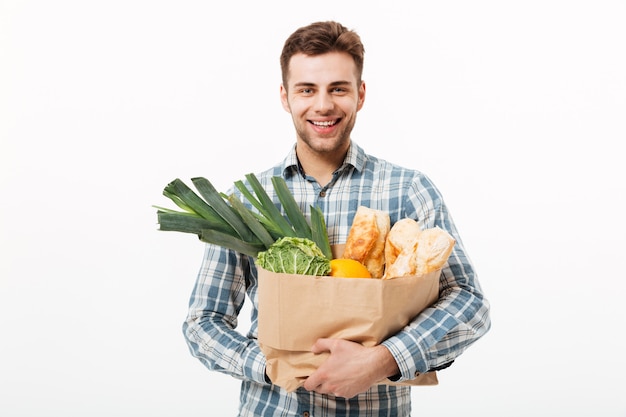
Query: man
{"points": [[322, 90]]}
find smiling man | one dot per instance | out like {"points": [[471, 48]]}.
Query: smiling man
{"points": [[323, 91]]}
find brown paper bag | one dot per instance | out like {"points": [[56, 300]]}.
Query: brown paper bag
{"points": [[296, 310]]}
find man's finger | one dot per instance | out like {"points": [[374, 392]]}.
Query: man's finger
{"points": [[311, 383], [321, 345]]}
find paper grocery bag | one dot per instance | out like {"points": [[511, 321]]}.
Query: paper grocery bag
{"points": [[296, 310]]}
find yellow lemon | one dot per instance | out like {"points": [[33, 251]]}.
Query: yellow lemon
{"points": [[348, 268]]}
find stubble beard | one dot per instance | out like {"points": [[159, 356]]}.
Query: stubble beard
{"points": [[321, 144]]}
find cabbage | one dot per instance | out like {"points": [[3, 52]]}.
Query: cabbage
{"points": [[294, 255]]}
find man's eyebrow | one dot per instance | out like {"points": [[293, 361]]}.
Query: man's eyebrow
{"points": [[342, 83], [310, 84], [304, 84]]}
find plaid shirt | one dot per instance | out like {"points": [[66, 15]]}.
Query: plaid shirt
{"points": [[432, 340]]}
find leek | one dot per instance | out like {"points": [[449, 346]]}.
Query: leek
{"points": [[226, 221]]}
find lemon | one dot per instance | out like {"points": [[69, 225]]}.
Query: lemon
{"points": [[348, 268]]}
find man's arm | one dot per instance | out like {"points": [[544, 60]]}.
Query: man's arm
{"points": [[443, 331], [460, 316], [209, 329], [430, 341]]}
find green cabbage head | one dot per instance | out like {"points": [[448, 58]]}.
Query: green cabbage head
{"points": [[294, 255]]}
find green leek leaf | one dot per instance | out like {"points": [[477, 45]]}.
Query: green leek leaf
{"points": [[295, 215], [186, 196], [216, 201], [251, 221], [187, 222], [231, 242], [268, 208], [319, 232]]}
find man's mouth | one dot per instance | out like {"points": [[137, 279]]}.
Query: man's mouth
{"points": [[325, 123]]}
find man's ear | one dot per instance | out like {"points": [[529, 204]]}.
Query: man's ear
{"points": [[283, 98], [361, 96]]}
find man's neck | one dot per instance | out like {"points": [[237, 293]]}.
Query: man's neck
{"points": [[320, 166]]}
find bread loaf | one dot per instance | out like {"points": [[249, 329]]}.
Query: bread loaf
{"points": [[402, 235], [398, 251], [366, 239], [434, 246], [411, 251]]}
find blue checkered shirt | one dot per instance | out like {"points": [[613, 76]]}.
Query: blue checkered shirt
{"points": [[432, 340]]}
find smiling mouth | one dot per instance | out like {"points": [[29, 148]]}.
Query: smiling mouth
{"points": [[326, 123]]}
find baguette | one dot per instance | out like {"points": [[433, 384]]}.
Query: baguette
{"points": [[434, 247], [366, 239], [410, 251], [401, 236], [398, 251]]}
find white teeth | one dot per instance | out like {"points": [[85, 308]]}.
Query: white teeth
{"points": [[324, 124]]}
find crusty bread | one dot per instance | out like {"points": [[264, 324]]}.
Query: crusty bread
{"points": [[410, 251], [375, 260], [362, 235], [366, 239], [434, 246], [404, 264], [398, 251], [401, 235]]}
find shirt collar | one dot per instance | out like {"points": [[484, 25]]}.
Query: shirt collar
{"points": [[355, 157]]}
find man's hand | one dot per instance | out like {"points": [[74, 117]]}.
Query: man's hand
{"points": [[350, 369]]}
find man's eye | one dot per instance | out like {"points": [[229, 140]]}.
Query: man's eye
{"points": [[339, 90]]}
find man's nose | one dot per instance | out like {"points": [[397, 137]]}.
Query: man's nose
{"points": [[323, 102]]}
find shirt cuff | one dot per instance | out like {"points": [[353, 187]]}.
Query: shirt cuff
{"points": [[254, 364], [409, 357]]}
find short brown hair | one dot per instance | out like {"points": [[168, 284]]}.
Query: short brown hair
{"points": [[320, 38]]}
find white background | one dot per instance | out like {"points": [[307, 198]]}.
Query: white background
{"points": [[515, 109]]}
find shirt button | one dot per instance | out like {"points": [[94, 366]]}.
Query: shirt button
{"points": [[322, 193], [417, 374], [306, 414]]}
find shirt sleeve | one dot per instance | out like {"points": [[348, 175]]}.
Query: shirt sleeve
{"points": [[215, 302], [461, 314]]}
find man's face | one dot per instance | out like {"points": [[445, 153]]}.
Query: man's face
{"points": [[323, 98]]}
